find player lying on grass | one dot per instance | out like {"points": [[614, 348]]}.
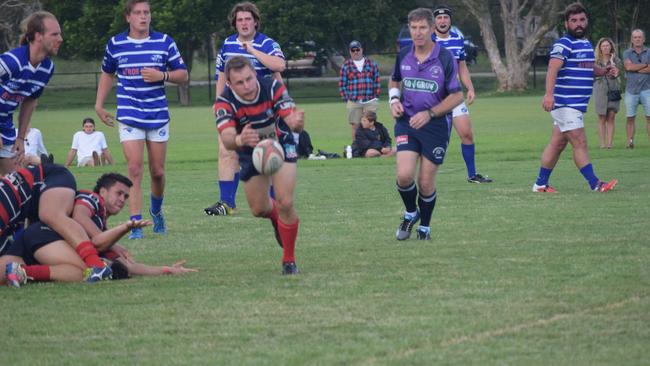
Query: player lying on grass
{"points": [[252, 109], [40, 254]]}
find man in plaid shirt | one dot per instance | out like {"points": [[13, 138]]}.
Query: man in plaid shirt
{"points": [[359, 85]]}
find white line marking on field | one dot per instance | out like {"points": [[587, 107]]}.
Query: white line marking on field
{"points": [[537, 323]]}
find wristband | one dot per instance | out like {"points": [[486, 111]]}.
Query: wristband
{"points": [[167, 270], [393, 100], [165, 76], [393, 93]]}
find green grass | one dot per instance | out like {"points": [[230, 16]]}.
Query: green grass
{"points": [[509, 277]]}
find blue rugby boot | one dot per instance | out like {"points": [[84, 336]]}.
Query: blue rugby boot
{"points": [[405, 228], [159, 226]]}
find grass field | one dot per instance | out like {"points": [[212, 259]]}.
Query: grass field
{"points": [[509, 277]]}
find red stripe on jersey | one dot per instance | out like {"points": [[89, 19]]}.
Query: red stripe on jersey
{"points": [[277, 96], [254, 110], [82, 202], [15, 192], [29, 177], [4, 216], [226, 109]]}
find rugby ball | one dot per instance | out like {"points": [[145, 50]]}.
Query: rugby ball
{"points": [[268, 157]]}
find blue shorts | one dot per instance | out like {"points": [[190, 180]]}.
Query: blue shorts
{"points": [[36, 236], [430, 141], [248, 170], [632, 101]]}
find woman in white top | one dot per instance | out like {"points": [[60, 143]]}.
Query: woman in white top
{"points": [[89, 146]]}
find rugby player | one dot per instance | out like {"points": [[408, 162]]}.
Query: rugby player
{"points": [[569, 82], [46, 193], [428, 75], [24, 73], [455, 43], [266, 56], [251, 109], [143, 61], [40, 254]]}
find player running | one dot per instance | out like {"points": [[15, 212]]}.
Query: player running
{"points": [[427, 73], [266, 56], [249, 110], [24, 73], [143, 61], [455, 43]]}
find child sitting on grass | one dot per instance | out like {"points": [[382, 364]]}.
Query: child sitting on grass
{"points": [[372, 138]]}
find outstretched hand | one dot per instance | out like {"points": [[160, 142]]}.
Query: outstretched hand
{"points": [[178, 268], [136, 224], [296, 120], [107, 118]]}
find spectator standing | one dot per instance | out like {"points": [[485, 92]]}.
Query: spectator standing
{"points": [[89, 146], [637, 90], [606, 107], [359, 85]]}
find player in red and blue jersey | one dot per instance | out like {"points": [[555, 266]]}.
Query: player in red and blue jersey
{"points": [[143, 61], [427, 73], [455, 43], [569, 83], [249, 110], [24, 73], [268, 60]]}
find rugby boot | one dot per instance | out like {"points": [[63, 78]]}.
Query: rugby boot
{"points": [[606, 186], [289, 268], [16, 275], [96, 274], [405, 228], [477, 178], [423, 234], [543, 189], [219, 209], [136, 233], [159, 226]]}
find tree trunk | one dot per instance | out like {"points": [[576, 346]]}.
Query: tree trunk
{"points": [[524, 23], [184, 97]]}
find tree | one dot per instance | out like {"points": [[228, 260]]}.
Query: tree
{"points": [[12, 12], [525, 22]]}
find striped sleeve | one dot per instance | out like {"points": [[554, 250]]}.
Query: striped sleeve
{"points": [[109, 65], [174, 60], [224, 114], [283, 105]]}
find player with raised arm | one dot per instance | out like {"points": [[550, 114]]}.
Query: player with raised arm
{"points": [[252, 109], [569, 83], [427, 73], [268, 60], [455, 43], [24, 73], [143, 61]]}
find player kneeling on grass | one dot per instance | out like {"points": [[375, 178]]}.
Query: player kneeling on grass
{"points": [[249, 110], [40, 254]]}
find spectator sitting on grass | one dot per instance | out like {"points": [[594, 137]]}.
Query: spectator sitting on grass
{"points": [[371, 138], [89, 146]]}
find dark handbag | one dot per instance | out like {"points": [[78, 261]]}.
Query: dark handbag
{"points": [[613, 95]]}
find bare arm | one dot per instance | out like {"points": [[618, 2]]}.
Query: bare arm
{"points": [[70, 157], [445, 106], [109, 157], [396, 107], [152, 75], [27, 108], [554, 66], [141, 269], [632, 67], [104, 87], [465, 78], [273, 63], [221, 84], [232, 141]]}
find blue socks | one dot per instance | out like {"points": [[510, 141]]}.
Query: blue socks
{"points": [[156, 204], [468, 155], [136, 217], [587, 171], [409, 196], [228, 190], [426, 204], [544, 175]]}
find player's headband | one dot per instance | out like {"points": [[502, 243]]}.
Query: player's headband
{"points": [[442, 11]]}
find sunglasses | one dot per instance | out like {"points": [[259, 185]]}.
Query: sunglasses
{"points": [[355, 49]]}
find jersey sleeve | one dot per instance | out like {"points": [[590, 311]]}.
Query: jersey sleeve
{"points": [[75, 141], [9, 66], [224, 114], [561, 49], [221, 62], [271, 47], [86, 200], [174, 58], [40, 146], [102, 141], [283, 104], [109, 64], [461, 52]]}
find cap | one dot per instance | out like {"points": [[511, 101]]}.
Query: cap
{"points": [[442, 9], [355, 44]]}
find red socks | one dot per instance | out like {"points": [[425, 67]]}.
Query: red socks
{"points": [[37, 272], [288, 234], [89, 255], [273, 215]]}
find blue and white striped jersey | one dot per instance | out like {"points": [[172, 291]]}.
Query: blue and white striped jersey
{"points": [[455, 43], [141, 104], [232, 47], [19, 80], [575, 79]]}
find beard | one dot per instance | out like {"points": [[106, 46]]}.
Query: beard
{"points": [[577, 33], [443, 31]]}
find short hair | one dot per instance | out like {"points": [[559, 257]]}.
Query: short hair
{"points": [[130, 4], [370, 115], [573, 9], [88, 120], [638, 30], [248, 7], [236, 63], [108, 180], [421, 14], [33, 24]]}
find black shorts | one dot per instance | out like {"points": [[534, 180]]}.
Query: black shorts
{"points": [[36, 236], [56, 176], [430, 141], [246, 157]]}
